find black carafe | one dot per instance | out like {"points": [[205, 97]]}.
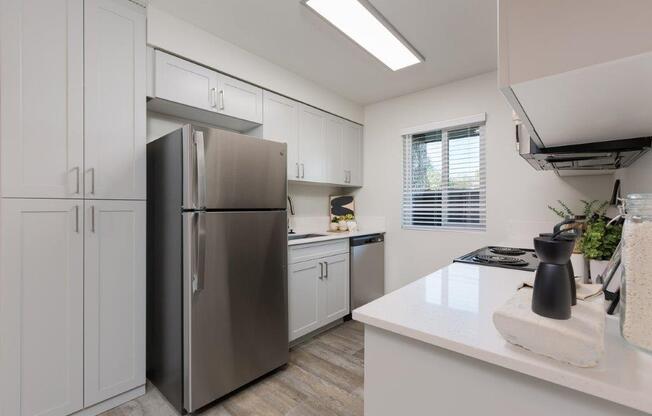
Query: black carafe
{"points": [[571, 276], [552, 295]]}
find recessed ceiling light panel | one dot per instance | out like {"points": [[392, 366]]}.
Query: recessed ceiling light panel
{"points": [[366, 27]]}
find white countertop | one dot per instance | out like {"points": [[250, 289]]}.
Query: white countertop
{"points": [[453, 307], [331, 235]]}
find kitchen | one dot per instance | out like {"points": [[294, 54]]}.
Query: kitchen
{"points": [[152, 263]]}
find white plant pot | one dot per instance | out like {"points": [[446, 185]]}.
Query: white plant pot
{"points": [[579, 265], [597, 268], [333, 226]]}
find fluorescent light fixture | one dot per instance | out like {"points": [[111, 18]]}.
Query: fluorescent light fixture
{"points": [[366, 27]]}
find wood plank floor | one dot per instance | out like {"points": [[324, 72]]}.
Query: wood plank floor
{"points": [[324, 378]]}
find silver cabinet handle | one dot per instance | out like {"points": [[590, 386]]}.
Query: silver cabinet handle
{"points": [[213, 97], [222, 99], [92, 172], [303, 171], [200, 254], [321, 270], [298, 175], [77, 219], [326, 275], [77, 172], [201, 168], [92, 218], [346, 176]]}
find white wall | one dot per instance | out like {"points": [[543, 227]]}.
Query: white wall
{"points": [[638, 177], [517, 195], [167, 32]]}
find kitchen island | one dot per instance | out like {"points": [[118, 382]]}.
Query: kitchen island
{"points": [[431, 348]]}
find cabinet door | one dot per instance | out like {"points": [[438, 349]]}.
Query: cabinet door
{"points": [[115, 84], [41, 307], [333, 171], [304, 288], [281, 124], [336, 292], [239, 99], [352, 154], [41, 98], [114, 298], [183, 82], [312, 143]]}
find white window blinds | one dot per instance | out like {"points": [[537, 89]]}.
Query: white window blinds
{"points": [[444, 179]]}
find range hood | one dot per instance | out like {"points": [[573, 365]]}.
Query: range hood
{"points": [[604, 156], [580, 86]]}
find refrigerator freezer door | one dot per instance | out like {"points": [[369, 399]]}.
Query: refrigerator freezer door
{"points": [[231, 171], [237, 314]]}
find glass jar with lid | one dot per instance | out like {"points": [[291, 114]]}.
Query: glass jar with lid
{"points": [[636, 287]]}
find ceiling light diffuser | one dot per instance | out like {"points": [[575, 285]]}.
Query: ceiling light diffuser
{"points": [[366, 27]]}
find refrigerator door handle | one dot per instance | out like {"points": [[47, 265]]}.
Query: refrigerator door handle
{"points": [[201, 169], [200, 254]]}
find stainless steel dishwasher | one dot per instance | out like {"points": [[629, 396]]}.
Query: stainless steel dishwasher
{"points": [[367, 269]]}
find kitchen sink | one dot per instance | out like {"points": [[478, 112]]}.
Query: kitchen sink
{"points": [[301, 236]]}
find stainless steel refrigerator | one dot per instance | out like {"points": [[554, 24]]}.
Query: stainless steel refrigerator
{"points": [[216, 263]]}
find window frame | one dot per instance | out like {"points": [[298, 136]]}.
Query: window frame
{"points": [[444, 128]]}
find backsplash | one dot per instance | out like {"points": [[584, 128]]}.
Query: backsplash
{"points": [[311, 208]]}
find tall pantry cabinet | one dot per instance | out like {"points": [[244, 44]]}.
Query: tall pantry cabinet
{"points": [[72, 207]]}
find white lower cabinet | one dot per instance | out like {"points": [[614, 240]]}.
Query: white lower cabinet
{"points": [[41, 307], [304, 284], [114, 298], [336, 278], [318, 288], [72, 303]]}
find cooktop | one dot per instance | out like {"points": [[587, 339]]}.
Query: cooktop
{"points": [[506, 257]]}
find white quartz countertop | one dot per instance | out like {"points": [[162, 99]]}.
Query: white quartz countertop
{"points": [[452, 308], [331, 235]]}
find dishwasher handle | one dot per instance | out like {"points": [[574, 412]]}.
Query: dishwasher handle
{"points": [[367, 239]]}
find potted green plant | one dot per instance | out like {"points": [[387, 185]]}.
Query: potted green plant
{"points": [[598, 240]]}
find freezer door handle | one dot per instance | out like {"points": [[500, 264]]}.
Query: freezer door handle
{"points": [[200, 156], [200, 253]]}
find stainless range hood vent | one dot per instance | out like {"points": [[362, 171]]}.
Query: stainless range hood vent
{"points": [[609, 155]]}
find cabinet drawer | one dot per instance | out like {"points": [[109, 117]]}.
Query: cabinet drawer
{"points": [[311, 251]]}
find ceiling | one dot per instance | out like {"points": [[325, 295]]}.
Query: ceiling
{"points": [[457, 38]]}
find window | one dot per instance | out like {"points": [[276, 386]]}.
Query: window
{"points": [[444, 179]]}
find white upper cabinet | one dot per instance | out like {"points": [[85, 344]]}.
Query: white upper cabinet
{"points": [[184, 82], [231, 103], [115, 79], [281, 124], [352, 154], [579, 71], [322, 148], [41, 305], [312, 144], [239, 99], [333, 167], [41, 98], [114, 298]]}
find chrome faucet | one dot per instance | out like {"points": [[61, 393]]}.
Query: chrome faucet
{"points": [[291, 213]]}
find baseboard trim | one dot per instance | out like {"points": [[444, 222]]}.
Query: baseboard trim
{"points": [[316, 332], [109, 404]]}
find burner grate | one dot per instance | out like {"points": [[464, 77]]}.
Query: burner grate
{"points": [[507, 251], [497, 259]]}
